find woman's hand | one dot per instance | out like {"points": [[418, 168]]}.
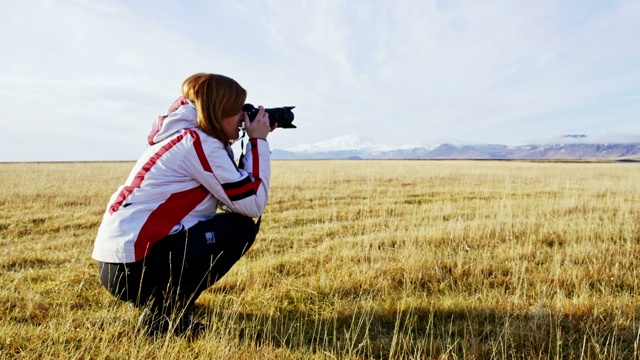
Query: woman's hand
{"points": [[259, 128]]}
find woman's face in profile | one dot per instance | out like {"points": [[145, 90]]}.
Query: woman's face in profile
{"points": [[232, 124]]}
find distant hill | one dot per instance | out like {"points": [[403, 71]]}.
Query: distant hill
{"points": [[574, 151]]}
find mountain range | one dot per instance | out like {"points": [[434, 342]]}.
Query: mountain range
{"points": [[355, 147]]}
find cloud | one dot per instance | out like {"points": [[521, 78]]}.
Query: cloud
{"points": [[455, 67], [406, 71]]}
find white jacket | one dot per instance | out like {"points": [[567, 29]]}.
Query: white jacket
{"points": [[180, 180]]}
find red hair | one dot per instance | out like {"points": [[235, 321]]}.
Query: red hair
{"points": [[216, 97]]}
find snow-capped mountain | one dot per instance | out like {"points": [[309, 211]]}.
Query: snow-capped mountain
{"points": [[355, 147], [343, 143]]}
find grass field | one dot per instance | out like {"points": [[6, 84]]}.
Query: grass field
{"points": [[354, 260]]}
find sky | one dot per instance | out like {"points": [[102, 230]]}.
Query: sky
{"points": [[82, 80]]}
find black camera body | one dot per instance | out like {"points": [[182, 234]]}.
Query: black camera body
{"points": [[283, 116]]}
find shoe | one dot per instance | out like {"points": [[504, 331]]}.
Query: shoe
{"points": [[151, 324], [154, 325], [189, 327]]}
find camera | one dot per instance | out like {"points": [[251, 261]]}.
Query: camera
{"points": [[282, 115]]}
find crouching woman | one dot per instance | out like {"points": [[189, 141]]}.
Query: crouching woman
{"points": [[161, 241]]}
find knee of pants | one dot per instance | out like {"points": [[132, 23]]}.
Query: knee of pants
{"points": [[115, 278], [246, 234], [248, 227], [238, 226]]}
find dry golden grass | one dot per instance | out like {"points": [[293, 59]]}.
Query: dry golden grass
{"points": [[354, 260]]}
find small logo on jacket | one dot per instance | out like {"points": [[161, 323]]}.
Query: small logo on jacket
{"points": [[210, 238]]}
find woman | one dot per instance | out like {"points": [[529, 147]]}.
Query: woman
{"points": [[161, 242]]}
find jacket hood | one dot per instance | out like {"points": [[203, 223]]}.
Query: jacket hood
{"points": [[181, 115]]}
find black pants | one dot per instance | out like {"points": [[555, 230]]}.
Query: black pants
{"points": [[181, 266]]}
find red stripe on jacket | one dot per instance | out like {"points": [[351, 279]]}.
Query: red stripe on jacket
{"points": [[256, 158], [255, 184], [251, 186], [197, 145], [137, 180], [256, 164], [166, 216]]}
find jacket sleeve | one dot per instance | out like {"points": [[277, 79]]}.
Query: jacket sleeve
{"points": [[242, 190]]}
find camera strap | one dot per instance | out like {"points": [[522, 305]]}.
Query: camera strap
{"points": [[241, 166], [241, 159]]}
